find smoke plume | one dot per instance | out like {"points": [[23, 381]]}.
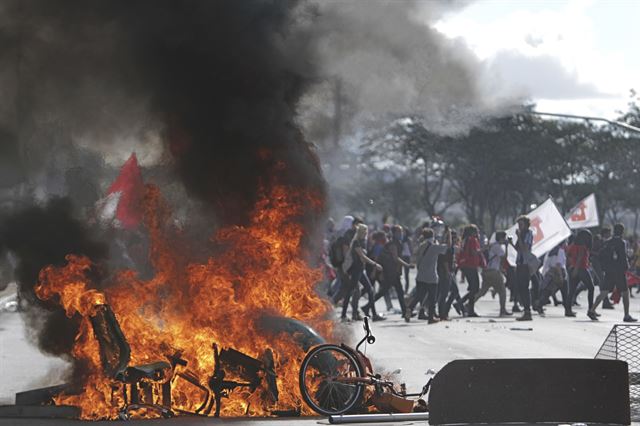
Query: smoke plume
{"points": [[41, 236], [384, 58], [218, 81], [207, 90]]}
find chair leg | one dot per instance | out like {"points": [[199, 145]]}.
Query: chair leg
{"points": [[135, 395], [166, 394]]}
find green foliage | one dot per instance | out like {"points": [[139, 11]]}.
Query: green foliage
{"points": [[502, 166]]}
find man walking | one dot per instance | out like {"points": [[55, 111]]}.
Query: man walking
{"points": [[427, 279], [614, 263], [523, 272]]}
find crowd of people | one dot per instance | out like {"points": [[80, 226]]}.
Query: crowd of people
{"points": [[359, 261]]}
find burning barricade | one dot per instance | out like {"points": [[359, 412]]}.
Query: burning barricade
{"points": [[221, 338]]}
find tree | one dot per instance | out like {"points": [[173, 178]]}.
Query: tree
{"points": [[405, 146]]}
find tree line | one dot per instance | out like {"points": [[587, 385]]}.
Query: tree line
{"points": [[499, 169]]}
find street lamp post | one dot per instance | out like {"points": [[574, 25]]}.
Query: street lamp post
{"points": [[588, 118]]}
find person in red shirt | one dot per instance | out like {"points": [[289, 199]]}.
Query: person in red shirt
{"points": [[578, 254], [470, 258]]}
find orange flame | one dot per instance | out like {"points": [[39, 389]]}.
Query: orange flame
{"points": [[187, 306]]}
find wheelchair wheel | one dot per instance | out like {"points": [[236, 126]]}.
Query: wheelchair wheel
{"points": [[325, 382]]}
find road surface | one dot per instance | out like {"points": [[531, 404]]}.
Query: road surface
{"points": [[415, 348]]}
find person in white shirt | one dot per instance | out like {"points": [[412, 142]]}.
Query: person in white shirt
{"points": [[492, 276], [554, 277]]}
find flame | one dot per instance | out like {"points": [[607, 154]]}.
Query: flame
{"points": [[188, 306]]}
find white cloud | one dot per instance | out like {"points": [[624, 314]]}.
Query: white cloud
{"points": [[539, 76], [549, 50]]}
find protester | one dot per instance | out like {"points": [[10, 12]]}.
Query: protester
{"points": [[392, 266], [378, 241], [578, 254], [470, 259], [427, 278], [353, 266], [407, 253], [448, 287], [596, 267], [613, 258], [492, 277], [554, 277], [337, 251], [524, 261], [351, 260]]}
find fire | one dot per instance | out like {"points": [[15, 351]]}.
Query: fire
{"points": [[254, 270]]}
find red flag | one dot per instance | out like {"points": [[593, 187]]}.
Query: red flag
{"points": [[124, 197]]}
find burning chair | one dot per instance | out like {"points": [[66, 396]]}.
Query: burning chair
{"points": [[141, 383], [139, 380]]}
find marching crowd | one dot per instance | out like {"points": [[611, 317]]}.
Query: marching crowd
{"points": [[358, 261]]}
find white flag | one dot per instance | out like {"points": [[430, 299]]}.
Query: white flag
{"points": [[585, 214], [549, 229]]}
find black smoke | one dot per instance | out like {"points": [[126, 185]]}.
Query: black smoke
{"points": [[41, 236], [218, 80], [221, 80]]}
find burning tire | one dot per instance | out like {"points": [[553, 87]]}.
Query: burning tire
{"points": [[326, 380]]}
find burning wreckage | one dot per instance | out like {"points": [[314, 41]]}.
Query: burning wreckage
{"points": [[149, 387], [217, 317], [196, 338]]}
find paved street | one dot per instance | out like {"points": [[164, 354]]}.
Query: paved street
{"points": [[415, 348]]}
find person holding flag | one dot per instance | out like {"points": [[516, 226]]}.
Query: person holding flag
{"points": [[613, 258], [523, 272]]}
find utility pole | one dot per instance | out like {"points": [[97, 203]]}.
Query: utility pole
{"points": [[337, 111]]}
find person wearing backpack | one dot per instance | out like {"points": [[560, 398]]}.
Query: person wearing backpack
{"points": [[614, 262], [337, 250]]}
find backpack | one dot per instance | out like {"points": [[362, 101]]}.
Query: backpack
{"points": [[605, 256], [336, 253]]}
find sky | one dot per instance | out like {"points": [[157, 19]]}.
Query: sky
{"points": [[576, 57]]}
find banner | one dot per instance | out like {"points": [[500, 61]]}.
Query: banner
{"points": [[585, 214], [549, 229], [122, 205]]}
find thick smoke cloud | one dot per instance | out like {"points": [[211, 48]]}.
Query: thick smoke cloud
{"points": [[207, 89], [389, 60], [218, 80], [41, 236]]}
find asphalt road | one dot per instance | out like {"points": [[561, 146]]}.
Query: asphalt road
{"points": [[415, 348]]}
